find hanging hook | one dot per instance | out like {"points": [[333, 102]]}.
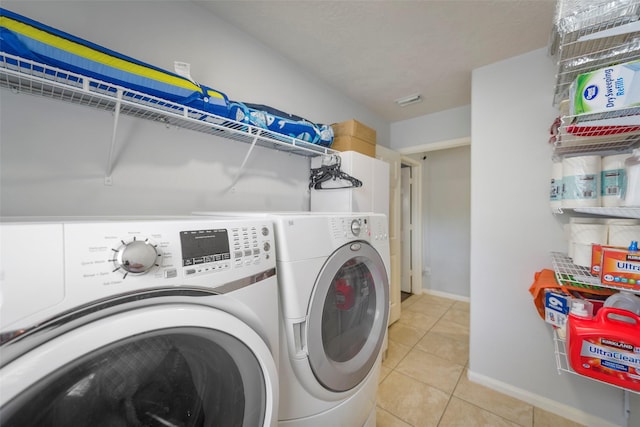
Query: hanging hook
{"points": [[330, 170]]}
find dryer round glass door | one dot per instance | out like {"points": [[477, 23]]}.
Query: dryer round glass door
{"points": [[348, 316], [169, 366]]}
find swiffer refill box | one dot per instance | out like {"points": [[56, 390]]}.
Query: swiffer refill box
{"points": [[606, 89]]}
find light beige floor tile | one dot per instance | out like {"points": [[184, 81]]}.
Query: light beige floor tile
{"points": [[384, 371], [417, 320], [462, 414], [431, 306], [437, 300], [428, 309], [440, 373], [411, 400], [395, 353], [543, 418], [461, 305], [460, 317], [500, 404], [446, 346], [387, 419], [404, 334], [452, 328], [409, 301]]}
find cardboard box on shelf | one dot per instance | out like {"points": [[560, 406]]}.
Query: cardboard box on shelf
{"points": [[351, 143], [356, 129], [354, 136]]}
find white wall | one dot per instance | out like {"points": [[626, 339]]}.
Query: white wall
{"points": [[432, 128], [512, 233], [54, 155], [446, 176]]}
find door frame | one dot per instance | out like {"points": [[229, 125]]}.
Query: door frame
{"points": [[416, 221], [425, 148]]}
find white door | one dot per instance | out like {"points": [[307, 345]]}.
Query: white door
{"points": [[348, 316], [393, 158], [163, 365]]}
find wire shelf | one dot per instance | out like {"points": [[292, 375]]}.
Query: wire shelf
{"points": [[567, 273], [621, 212], [609, 132], [591, 36], [580, 57], [560, 351], [562, 362], [25, 76]]}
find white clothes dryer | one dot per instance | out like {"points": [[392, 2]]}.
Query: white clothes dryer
{"points": [[334, 307], [334, 290], [130, 322]]}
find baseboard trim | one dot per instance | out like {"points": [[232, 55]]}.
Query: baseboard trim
{"points": [[446, 295], [541, 402]]}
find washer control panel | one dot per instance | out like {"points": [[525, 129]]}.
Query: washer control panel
{"points": [[364, 227], [175, 252], [349, 227], [81, 261], [205, 250]]}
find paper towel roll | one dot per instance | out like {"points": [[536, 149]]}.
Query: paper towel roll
{"points": [[612, 180], [555, 192], [587, 234], [585, 230], [582, 255], [592, 220], [581, 180], [622, 235]]}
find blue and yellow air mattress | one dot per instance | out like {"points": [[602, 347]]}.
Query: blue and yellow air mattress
{"points": [[32, 40]]}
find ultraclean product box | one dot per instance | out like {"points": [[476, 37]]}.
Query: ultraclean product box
{"points": [[608, 88], [596, 257], [620, 268]]}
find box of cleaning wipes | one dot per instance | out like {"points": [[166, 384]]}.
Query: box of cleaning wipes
{"points": [[609, 88]]}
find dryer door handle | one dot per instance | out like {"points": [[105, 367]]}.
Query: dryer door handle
{"points": [[298, 344]]}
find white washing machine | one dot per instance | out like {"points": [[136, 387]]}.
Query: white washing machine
{"points": [[138, 322], [334, 303]]}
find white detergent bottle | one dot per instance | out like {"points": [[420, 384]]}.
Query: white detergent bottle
{"points": [[632, 168]]}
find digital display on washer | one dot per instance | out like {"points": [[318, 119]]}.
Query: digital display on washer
{"points": [[202, 246]]}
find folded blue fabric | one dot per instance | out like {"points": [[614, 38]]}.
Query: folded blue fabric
{"points": [[276, 121]]}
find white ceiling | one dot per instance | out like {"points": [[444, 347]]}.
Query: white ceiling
{"points": [[376, 51]]}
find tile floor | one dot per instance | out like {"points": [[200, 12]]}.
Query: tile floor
{"points": [[423, 381]]}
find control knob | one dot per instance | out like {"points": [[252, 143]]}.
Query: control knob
{"points": [[135, 257], [356, 227]]}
